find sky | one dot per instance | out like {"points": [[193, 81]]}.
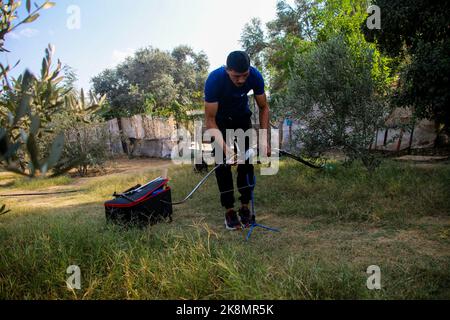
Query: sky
{"points": [[93, 35]]}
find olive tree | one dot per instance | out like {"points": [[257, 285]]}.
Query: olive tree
{"points": [[337, 90]]}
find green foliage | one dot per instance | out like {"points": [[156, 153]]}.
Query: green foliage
{"points": [[117, 91], [155, 82], [340, 17], [333, 92], [8, 14], [82, 110], [298, 28], [86, 136], [253, 40], [294, 20], [418, 38], [11, 113], [86, 146], [31, 104], [29, 144], [317, 58]]}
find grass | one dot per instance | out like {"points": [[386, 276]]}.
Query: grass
{"points": [[11, 180], [391, 195], [334, 225]]}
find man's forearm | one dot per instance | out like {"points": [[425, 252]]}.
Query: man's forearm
{"points": [[264, 127], [264, 118], [218, 138]]}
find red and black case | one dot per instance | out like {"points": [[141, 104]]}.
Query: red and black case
{"points": [[141, 205]]}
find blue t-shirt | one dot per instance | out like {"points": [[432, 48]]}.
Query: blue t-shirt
{"points": [[233, 101]]}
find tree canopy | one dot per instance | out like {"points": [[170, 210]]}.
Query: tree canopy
{"points": [[417, 35], [156, 82], [323, 71]]}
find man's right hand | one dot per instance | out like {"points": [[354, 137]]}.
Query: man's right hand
{"points": [[230, 157]]}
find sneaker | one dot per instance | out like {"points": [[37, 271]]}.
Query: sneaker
{"points": [[247, 218], [232, 221]]}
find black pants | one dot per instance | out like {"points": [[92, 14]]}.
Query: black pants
{"points": [[245, 171]]}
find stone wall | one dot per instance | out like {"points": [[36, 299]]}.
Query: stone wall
{"points": [[144, 136], [393, 138]]}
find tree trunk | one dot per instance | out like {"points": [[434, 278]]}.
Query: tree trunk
{"points": [[400, 140], [385, 137], [281, 134], [411, 139]]}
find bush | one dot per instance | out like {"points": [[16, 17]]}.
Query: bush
{"points": [[337, 90], [86, 147]]}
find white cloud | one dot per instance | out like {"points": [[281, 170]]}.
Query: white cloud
{"points": [[24, 33], [13, 35], [119, 56], [28, 32]]}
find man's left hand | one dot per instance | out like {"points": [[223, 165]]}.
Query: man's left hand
{"points": [[269, 151], [266, 150]]}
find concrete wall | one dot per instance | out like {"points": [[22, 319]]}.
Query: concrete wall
{"points": [[424, 133], [423, 136], [150, 137]]}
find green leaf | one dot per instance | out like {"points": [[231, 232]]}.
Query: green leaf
{"points": [[26, 79], [102, 100], [44, 69], [2, 133], [55, 151], [35, 124], [11, 151], [48, 5], [30, 19], [17, 63], [33, 152], [92, 108], [51, 50], [58, 80], [4, 145], [29, 6], [22, 108]]}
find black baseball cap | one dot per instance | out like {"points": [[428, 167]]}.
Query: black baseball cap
{"points": [[238, 61]]}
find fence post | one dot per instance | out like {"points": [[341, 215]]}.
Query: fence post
{"points": [[400, 140], [411, 138]]}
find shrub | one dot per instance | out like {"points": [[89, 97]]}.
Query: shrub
{"points": [[337, 90]]}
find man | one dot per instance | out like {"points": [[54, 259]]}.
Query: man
{"points": [[227, 107]]}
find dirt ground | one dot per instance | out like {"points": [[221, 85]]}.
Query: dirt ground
{"points": [[114, 167], [126, 166]]}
